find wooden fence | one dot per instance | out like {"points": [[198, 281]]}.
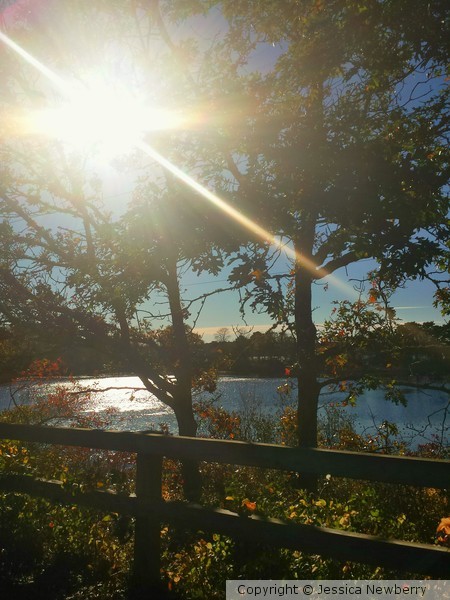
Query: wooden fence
{"points": [[150, 510]]}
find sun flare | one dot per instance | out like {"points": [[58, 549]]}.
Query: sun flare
{"points": [[103, 120], [109, 120]]}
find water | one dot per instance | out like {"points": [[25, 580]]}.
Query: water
{"points": [[137, 409]]}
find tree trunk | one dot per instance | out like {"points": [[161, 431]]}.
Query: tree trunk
{"points": [[308, 386], [183, 364], [192, 482], [307, 377], [184, 413], [306, 333]]}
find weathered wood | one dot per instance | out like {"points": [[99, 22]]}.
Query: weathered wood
{"points": [[332, 543], [54, 490], [355, 465], [147, 535], [149, 509]]}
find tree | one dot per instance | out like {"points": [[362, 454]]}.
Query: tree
{"points": [[68, 263], [339, 148], [423, 349], [336, 146], [222, 335]]}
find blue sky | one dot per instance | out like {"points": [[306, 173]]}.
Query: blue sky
{"points": [[413, 303]]}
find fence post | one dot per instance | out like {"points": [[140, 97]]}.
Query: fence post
{"points": [[147, 536]]}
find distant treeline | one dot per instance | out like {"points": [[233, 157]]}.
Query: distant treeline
{"points": [[420, 350]]}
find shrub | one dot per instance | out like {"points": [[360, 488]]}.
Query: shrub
{"points": [[58, 551]]}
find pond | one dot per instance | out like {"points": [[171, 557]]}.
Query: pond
{"points": [[418, 422]]}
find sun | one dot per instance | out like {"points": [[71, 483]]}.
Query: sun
{"points": [[103, 120], [99, 113]]}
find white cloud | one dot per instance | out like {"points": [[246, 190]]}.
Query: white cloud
{"points": [[208, 332], [409, 307]]}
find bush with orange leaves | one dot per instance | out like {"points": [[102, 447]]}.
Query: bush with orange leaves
{"points": [[45, 395], [443, 532], [216, 422], [48, 550]]}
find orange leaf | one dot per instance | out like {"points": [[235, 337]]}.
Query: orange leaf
{"points": [[257, 274], [443, 531]]}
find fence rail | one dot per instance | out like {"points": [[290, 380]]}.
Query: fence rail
{"points": [[149, 508]]}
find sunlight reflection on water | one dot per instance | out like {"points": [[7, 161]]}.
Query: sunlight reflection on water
{"points": [[123, 400], [137, 409]]}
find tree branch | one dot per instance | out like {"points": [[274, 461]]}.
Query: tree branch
{"points": [[336, 263]]}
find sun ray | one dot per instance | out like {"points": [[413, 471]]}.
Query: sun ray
{"points": [[57, 81], [262, 233]]}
